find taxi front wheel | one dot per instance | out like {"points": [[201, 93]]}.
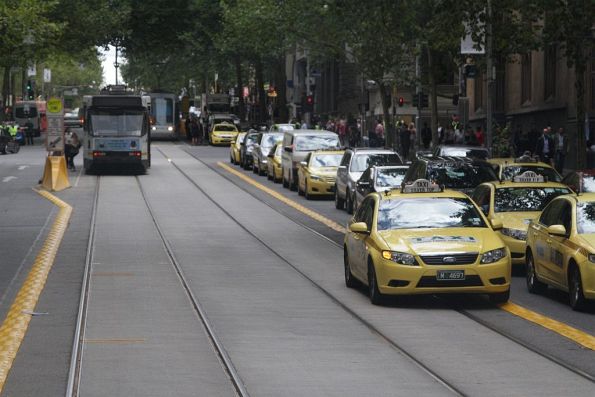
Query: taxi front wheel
{"points": [[350, 281], [533, 284], [575, 289], [376, 297]]}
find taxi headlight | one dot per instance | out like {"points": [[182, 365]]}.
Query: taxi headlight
{"points": [[315, 177], [264, 161], [592, 258], [401, 258], [170, 128], [493, 255], [514, 233], [153, 128]]}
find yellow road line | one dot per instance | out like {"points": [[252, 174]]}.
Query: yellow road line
{"points": [[312, 214], [582, 338], [15, 324], [576, 335]]}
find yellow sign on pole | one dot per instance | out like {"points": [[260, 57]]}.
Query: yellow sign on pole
{"points": [[54, 105]]}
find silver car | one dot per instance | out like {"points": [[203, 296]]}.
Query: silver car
{"points": [[296, 145], [379, 179], [355, 161], [262, 147]]}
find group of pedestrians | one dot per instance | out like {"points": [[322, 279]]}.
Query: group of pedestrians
{"points": [[347, 128], [195, 131], [552, 148], [455, 135]]}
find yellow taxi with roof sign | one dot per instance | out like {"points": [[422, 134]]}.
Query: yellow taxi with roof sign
{"points": [[274, 170], [422, 239], [234, 148], [318, 172], [223, 133], [507, 168], [515, 203], [561, 249]]}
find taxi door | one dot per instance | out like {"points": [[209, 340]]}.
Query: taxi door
{"points": [[358, 248], [545, 253], [555, 266]]}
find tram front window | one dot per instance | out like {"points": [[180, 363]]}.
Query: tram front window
{"points": [[124, 124]]}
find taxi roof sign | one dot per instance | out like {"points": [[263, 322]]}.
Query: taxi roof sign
{"points": [[421, 186], [529, 177]]}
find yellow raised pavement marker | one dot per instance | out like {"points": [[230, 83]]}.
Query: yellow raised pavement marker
{"points": [[307, 211], [15, 324], [582, 338]]}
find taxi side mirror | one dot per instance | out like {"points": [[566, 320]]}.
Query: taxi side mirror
{"points": [[496, 224], [359, 227], [557, 230]]}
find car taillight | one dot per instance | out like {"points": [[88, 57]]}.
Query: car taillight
{"points": [[134, 154], [98, 154]]}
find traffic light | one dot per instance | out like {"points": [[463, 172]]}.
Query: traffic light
{"points": [[30, 94], [309, 103], [401, 101], [455, 99], [415, 100], [423, 100]]}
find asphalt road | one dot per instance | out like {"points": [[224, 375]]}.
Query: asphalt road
{"points": [[269, 279]]}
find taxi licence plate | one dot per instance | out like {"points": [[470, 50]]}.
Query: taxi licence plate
{"points": [[450, 275]]}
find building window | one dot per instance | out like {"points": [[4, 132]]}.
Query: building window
{"points": [[549, 72], [526, 78], [478, 91]]}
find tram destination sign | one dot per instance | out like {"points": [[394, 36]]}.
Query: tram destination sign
{"points": [[54, 141]]}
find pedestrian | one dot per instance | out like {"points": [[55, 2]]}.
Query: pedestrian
{"points": [[561, 149], [545, 147], [71, 149], [304, 125], [449, 136], [379, 133], [479, 136], [194, 131], [342, 131], [412, 135], [405, 137], [29, 132], [459, 137], [426, 136], [187, 128]]}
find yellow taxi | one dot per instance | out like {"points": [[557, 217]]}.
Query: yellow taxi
{"points": [[422, 239], [515, 203], [561, 249], [318, 172], [223, 133], [234, 148], [507, 168], [274, 171]]}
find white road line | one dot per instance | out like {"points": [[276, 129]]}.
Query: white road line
{"points": [[78, 177], [8, 178], [22, 167]]}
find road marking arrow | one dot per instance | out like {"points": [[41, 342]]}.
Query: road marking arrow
{"points": [[8, 178]]}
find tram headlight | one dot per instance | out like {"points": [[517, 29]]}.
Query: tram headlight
{"points": [[153, 128], [170, 128]]}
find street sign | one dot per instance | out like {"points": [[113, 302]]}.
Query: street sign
{"points": [[47, 75], [31, 70], [54, 141]]}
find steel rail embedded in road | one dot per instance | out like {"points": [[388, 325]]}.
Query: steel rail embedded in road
{"points": [[74, 373], [224, 358], [570, 367], [418, 363]]}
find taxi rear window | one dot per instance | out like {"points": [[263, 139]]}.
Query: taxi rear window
{"points": [[519, 199], [510, 171], [461, 176], [431, 212]]}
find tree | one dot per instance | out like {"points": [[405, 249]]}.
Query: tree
{"points": [[571, 25]]}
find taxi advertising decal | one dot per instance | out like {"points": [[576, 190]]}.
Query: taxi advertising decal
{"points": [[443, 239]]}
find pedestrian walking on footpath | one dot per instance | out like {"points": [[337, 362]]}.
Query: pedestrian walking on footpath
{"points": [[561, 149], [379, 133], [405, 137], [545, 147], [194, 131], [29, 132], [71, 149], [479, 137]]}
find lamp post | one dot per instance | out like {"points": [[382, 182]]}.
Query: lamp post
{"points": [[116, 64]]}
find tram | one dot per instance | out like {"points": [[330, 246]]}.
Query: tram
{"points": [[116, 130], [164, 117]]}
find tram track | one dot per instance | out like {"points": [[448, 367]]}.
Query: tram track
{"points": [[404, 352], [466, 313], [74, 376]]}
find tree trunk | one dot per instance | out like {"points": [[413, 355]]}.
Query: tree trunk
{"points": [[281, 88], [433, 99], [581, 144], [262, 106], [240, 83]]}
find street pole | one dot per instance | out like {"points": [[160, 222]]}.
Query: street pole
{"points": [[490, 80], [307, 115], [417, 92], [116, 65]]}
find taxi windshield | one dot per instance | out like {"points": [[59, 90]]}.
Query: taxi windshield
{"points": [[390, 177], [362, 162], [431, 212], [585, 218], [461, 176], [225, 128], [519, 199], [316, 142], [326, 160], [510, 171]]}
